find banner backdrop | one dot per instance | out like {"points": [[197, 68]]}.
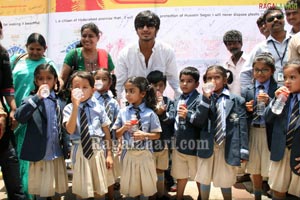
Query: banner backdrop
{"points": [[194, 28]]}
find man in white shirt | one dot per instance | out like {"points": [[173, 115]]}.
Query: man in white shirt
{"points": [[146, 55], [233, 41], [276, 44]]}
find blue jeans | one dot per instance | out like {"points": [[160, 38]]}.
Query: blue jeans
{"points": [[11, 174]]}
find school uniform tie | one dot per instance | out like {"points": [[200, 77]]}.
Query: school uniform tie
{"points": [[138, 116], [59, 117], [292, 124], [58, 114], [86, 140], [138, 143], [106, 104], [257, 117], [220, 133]]}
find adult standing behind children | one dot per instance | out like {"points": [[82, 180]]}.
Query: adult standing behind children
{"points": [[233, 41], [147, 55], [276, 43], [23, 67], [292, 13], [88, 57]]}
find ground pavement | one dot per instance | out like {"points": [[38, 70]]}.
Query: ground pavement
{"points": [[191, 192]]}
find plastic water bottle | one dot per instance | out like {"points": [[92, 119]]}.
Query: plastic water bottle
{"points": [[134, 127], [279, 103], [77, 93], [98, 84], [45, 92], [135, 123], [260, 106], [182, 121], [209, 87], [160, 103]]}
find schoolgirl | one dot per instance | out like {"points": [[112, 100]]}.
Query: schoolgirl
{"points": [[138, 168], [87, 123], [41, 111], [226, 135]]}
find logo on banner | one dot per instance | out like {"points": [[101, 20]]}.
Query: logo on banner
{"points": [[285, 6], [15, 50]]}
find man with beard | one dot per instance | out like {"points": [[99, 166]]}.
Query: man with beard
{"points": [[276, 44], [146, 55], [233, 41]]}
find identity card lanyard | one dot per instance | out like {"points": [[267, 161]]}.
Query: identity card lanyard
{"points": [[280, 75]]}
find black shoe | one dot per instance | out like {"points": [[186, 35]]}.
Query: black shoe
{"points": [[266, 189], [117, 186], [163, 198], [244, 178]]}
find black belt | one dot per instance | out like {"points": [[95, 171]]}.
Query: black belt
{"points": [[259, 125]]}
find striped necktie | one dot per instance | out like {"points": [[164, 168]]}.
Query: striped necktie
{"points": [[220, 133], [106, 103], [86, 141], [58, 113], [292, 124], [138, 116]]}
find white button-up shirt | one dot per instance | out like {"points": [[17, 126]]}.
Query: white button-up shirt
{"points": [[131, 62], [278, 50], [235, 86]]}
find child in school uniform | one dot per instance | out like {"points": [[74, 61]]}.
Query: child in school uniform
{"points": [[88, 125], [284, 173], [42, 112], [105, 88], [188, 122], [138, 176], [225, 134], [161, 146], [259, 154]]}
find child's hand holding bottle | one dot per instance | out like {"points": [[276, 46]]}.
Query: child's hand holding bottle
{"points": [[281, 95], [77, 95], [208, 89], [282, 90], [263, 97], [161, 106]]}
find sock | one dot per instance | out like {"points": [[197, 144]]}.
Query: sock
{"points": [[160, 184], [227, 194], [205, 190], [257, 194]]}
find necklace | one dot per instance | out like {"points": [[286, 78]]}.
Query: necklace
{"points": [[91, 65], [90, 62]]}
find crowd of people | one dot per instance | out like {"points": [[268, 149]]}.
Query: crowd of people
{"points": [[244, 118]]}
